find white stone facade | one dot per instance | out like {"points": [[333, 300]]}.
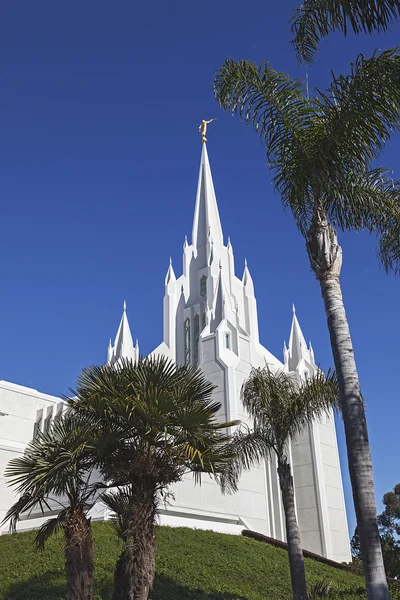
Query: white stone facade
{"points": [[210, 319]]}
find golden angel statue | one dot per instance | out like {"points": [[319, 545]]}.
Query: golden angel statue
{"points": [[203, 129]]}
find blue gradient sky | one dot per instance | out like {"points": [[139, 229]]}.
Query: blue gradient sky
{"points": [[99, 154]]}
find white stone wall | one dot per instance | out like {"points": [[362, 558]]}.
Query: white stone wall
{"points": [[22, 406]]}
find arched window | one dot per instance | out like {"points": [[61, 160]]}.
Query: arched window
{"points": [[187, 341], [203, 286], [196, 336], [227, 341]]}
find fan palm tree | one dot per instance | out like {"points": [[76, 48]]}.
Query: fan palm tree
{"points": [[55, 473], [320, 151], [156, 421], [315, 19], [280, 406]]}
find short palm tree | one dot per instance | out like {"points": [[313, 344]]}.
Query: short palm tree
{"points": [[280, 406], [55, 473], [120, 502], [155, 421], [315, 19], [320, 151]]}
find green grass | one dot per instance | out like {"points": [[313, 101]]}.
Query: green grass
{"points": [[191, 564]]}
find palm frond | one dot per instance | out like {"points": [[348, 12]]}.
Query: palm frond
{"points": [[119, 502], [281, 405], [357, 114], [248, 448], [315, 19], [51, 527], [24, 504], [367, 200], [389, 248], [271, 101]]}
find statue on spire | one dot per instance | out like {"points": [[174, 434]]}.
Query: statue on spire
{"points": [[203, 128]]}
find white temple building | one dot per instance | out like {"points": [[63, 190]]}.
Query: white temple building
{"points": [[210, 319]]}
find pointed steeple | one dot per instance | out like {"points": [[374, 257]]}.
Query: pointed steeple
{"points": [[297, 344], [285, 354], [170, 276], [311, 351], [109, 351], [247, 279], [206, 220], [123, 343]]}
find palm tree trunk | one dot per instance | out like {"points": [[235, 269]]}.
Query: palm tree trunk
{"points": [[79, 558], [135, 569], [326, 261], [295, 552]]}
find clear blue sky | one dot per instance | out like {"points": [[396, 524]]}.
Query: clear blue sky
{"points": [[99, 154]]}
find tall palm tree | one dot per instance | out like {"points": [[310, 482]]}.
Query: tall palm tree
{"points": [[156, 421], [280, 406], [315, 19], [56, 473], [320, 151]]}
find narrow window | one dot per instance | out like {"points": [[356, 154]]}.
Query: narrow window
{"points": [[60, 407], [227, 341], [203, 286], [187, 341], [47, 422], [196, 336], [38, 424], [203, 320]]}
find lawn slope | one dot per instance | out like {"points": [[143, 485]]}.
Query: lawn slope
{"points": [[191, 564]]}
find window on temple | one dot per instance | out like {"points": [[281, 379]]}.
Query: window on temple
{"points": [[203, 286], [187, 341], [227, 341], [203, 320], [60, 407], [196, 336], [47, 421], [38, 424]]}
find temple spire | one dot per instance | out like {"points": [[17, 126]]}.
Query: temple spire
{"points": [[123, 344], [206, 222], [247, 279], [297, 344], [170, 277]]}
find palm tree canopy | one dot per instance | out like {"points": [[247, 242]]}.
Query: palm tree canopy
{"points": [[280, 406], [55, 469], [315, 19], [321, 149], [152, 417]]}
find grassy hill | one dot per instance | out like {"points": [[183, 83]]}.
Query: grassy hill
{"points": [[191, 564]]}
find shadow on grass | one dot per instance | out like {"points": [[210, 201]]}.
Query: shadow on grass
{"points": [[166, 589], [49, 587]]}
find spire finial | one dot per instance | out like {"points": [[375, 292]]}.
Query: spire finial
{"points": [[170, 260], [124, 305], [220, 264], [293, 309], [203, 129], [245, 262]]}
